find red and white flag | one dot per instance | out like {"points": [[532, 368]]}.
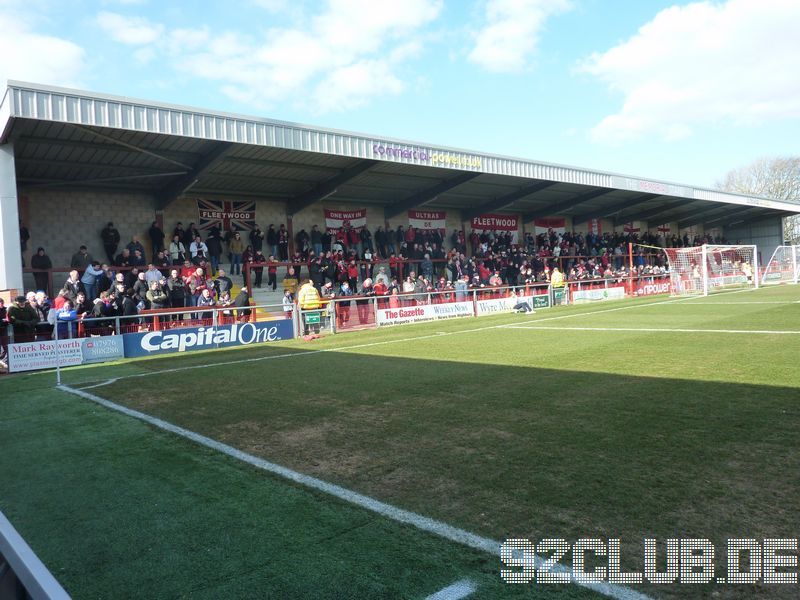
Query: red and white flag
{"points": [[427, 219], [595, 226], [336, 219], [557, 224]]}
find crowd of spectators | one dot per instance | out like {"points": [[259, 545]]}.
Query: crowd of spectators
{"points": [[187, 272]]}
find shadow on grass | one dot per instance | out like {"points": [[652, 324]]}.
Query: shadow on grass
{"points": [[510, 451]]}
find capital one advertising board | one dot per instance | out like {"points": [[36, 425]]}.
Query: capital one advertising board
{"points": [[206, 338], [426, 312]]}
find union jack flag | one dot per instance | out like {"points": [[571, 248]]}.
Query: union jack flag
{"points": [[225, 214]]}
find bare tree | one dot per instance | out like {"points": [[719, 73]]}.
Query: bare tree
{"points": [[775, 178]]}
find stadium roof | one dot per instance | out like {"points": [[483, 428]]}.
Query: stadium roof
{"points": [[83, 140]]}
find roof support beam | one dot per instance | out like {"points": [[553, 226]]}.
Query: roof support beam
{"points": [[257, 162], [739, 214], [97, 146], [614, 208], [698, 216], [171, 191], [424, 197], [561, 206], [506, 200], [645, 215], [113, 140], [327, 187]]}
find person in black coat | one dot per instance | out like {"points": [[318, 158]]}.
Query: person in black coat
{"points": [[110, 238], [242, 303], [40, 260]]}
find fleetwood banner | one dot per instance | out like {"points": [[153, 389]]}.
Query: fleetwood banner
{"points": [[226, 215], [336, 219], [496, 223], [427, 219]]}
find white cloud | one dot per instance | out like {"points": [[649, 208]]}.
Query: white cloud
{"points": [[725, 63], [133, 31], [354, 45], [508, 40], [36, 57]]}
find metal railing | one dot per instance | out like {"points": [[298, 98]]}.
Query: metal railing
{"points": [[22, 574]]}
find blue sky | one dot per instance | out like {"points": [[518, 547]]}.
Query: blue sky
{"points": [[676, 91]]}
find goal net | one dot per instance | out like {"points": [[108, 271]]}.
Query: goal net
{"points": [[783, 267], [702, 270]]}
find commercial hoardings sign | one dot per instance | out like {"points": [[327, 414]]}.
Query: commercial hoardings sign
{"points": [[336, 219], [29, 356], [652, 289], [206, 338], [494, 306], [596, 295], [426, 312], [226, 215], [427, 219], [422, 155]]}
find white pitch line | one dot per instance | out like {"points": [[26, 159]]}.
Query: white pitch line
{"points": [[456, 591], [658, 329], [744, 302], [443, 530]]}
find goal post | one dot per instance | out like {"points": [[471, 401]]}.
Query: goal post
{"points": [[783, 266], [702, 270]]}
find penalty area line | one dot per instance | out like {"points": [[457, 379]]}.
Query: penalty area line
{"points": [[423, 523]]}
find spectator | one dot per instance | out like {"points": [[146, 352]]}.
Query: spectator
{"points": [[290, 282], [81, 259], [64, 321], [214, 246], [363, 304], [288, 304], [123, 259], [196, 283], [316, 240], [156, 296], [89, 279], [135, 245], [156, 237], [272, 240], [257, 238], [177, 251], [272, 273], [176, 290], [205, 299], [73, 286], [242, 304], [40, 260], [152, 273], [23, 319], [258, 272], [110, 237], [198, 248], [138, 260], [283, 243], [236, 247]]}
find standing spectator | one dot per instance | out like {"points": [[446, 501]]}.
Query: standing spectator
{"points": [[288, 304], [135, 245], [283, 243], [290, 282], [316, 240], [89, 279], [380, 242], [257, 238], [198, 248], [73, 286], [110, 238], [156, 237], [177, 251], [152, 273], [81, 259], [242, 304], [24, 236], [156, 296], [190, 235], [40, 260], [258, 272], [205, 299], [176, 290], [366, 240], [197, 283], [140, 289], [236, 248], [272, 273], [23, 319], [223, 283], [343, 308], [363, 304], [272, 240], [104, 281], [214, 246]]}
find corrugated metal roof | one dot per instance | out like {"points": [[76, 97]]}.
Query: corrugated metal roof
{"points": [[182, 129]]}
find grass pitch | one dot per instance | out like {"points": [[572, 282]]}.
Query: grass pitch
{"points": [[644, 418]]}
